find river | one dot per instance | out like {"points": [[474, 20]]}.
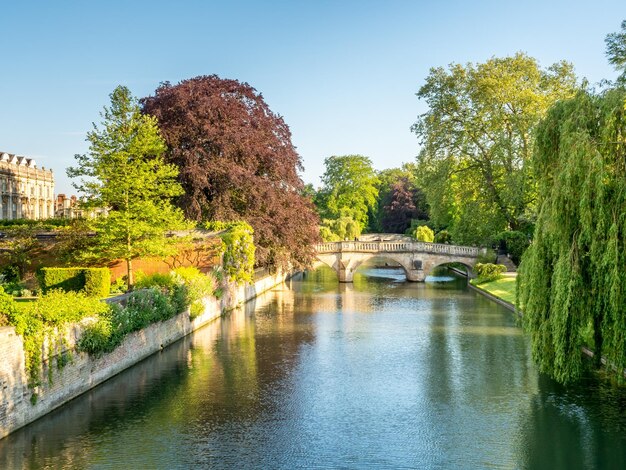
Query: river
{"points": [[377, 374]]}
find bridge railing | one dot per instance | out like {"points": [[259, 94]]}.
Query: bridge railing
{"points": [[397, 247]]}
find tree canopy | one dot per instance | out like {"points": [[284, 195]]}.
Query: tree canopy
{"points": [[350, 189], [477, 139], [400, 201], [237, 162], [124, 172], [572, 284], [616, 52]]}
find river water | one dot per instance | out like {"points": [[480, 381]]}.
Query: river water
{"points": [[378, 374]]}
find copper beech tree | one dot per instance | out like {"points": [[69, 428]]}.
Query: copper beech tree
{"points": [[237, 162]]}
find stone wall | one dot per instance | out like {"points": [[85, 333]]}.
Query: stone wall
{"points": [[84, 372]]}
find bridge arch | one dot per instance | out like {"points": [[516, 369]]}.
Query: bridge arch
{"points": [[386, 258], [469, 268]]}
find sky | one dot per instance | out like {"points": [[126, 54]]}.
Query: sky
{"points": [[343, 74]]}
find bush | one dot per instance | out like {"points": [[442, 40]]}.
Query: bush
{"points": [[237, 249], [7, 307], [487, 272], [443, 237], [198, 286], [160, 280], [97, 337], [424, 234], [35, 320], [57, 307], [143, 308], [95, 282]]}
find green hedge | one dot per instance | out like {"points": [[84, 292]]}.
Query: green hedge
{"points": [[95, 282]]}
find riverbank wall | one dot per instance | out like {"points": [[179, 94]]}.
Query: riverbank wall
{"points": [[82, 372]]}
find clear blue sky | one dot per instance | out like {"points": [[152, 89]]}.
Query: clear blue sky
{"points": [[343, 74]]}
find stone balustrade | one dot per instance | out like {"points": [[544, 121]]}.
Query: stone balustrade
{"points": [[397, 247]]}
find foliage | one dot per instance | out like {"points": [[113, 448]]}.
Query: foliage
{"points": [[143, 307], [489, 256], [105, 326], [125, 173], [350, 189], [424, 234], [19, 245], [443, 236], [415, 223], [74, 240], [47, 317], [198, 286], [399, 200], [7, 307], [515, 243], [477, 138], [238, 249], [401, 203], [488, 272], [616, 52], [41, 225], [118, 286], [237, 162], [573, 273], [94, 282], [342, 228]]}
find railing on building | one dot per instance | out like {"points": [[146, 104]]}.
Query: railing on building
{"points": [[398, 247]]}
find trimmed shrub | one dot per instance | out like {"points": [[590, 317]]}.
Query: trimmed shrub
{"points": [[66, 279], [487, 272], [97, 282], [424, 234], [94, 282]]}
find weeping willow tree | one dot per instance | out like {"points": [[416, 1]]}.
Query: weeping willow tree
{"points": [[572, 283]]}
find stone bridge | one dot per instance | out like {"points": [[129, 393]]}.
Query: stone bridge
{"points": [[417, 259]]}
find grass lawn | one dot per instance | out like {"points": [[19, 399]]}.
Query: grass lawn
{"points": [[503, 288]]}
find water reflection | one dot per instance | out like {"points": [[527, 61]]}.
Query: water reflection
{"points": [[378, 373]]}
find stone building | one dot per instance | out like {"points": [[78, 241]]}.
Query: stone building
{"points": [[70, 208], [26, 192]]}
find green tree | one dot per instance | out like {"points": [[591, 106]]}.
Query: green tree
{"points": [[616, 52], [350, 189], [125, 173], [572, 286], [477, 139]]}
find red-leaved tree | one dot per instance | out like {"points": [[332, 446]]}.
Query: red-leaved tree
{"points": [[237, 162], [402, 203]]}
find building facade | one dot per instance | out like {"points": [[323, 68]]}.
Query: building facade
{"points": [[71, 208], [26, 192]]}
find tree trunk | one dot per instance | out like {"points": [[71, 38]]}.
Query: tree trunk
{"points": [[129, 274]]}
